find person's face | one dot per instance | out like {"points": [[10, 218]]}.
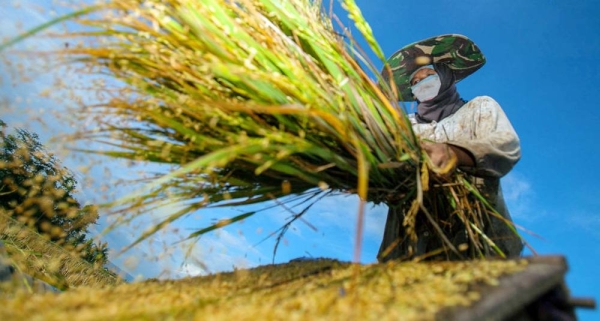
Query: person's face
{"points": [[420, 75]]}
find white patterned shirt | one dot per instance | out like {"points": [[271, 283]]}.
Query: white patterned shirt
{"points": [[482, 128]]}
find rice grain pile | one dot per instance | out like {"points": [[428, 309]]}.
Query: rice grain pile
{"points": [[314, 290]]}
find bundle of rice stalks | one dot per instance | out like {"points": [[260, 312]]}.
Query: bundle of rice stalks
{"points": [[253, 100]]}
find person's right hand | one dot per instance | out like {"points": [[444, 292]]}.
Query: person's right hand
{"points": [[445, 158]]}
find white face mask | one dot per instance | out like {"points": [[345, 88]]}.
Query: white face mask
{"points": [[427, 88]]}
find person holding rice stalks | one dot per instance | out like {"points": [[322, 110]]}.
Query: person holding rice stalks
{"points": [[473, 138], [263, 100]]}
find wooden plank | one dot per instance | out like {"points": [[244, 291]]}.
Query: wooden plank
{"points": [[513, 293]]}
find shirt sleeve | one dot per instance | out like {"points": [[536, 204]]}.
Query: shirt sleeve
{"points": [[495, 145]]}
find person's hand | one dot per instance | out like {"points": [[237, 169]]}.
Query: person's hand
{"points": [[444, 158]]}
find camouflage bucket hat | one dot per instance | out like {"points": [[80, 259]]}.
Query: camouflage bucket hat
{"points": [[456, 51]]}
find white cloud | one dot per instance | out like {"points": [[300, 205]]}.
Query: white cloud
{"points": [[519, 197], [224, 251], [341, 212], [515, 187], [375, 221], [336, 221], [587, 221]]}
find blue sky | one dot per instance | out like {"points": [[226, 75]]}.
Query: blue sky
{"points": [[541, 68]]}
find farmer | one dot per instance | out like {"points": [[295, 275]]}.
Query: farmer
{"points": [[473, 137]]}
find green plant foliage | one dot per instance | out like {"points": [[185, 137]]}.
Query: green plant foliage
{"points": [[36, 190]]}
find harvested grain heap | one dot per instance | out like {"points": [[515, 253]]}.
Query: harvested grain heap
{"points": [[252, 100], [321, 289]]}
